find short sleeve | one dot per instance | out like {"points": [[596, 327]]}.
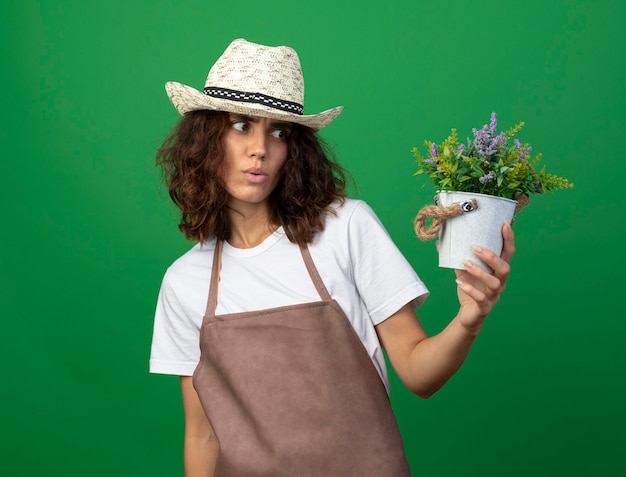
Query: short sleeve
{"points": [[175, 340], [384, 278]]}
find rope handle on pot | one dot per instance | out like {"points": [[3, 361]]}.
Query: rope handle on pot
{"points": [[438, 213]]}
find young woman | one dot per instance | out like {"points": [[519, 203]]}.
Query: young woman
{"points": [[277, 319]]}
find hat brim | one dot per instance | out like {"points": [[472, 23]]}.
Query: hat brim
{"points": [[185, 98]]}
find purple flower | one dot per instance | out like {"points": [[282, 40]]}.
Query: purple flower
{"points": [[493, 124], [461, 148], [482, 134], [525, 153], [482, 140], [518, 144], [433, 150], [485, 139], [486, 178], [496, 142], [430, 160]]}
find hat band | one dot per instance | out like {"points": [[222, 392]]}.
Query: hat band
{"points": [[264, 99]]}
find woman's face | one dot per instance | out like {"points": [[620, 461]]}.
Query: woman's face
{"points": [[255, 152]]}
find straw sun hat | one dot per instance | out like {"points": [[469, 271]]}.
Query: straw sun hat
{"points": [[253, 80]]}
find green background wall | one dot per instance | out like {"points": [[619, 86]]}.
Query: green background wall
{"points": [[88, 230]]}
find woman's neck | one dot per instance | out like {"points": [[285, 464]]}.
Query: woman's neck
{"points": [[249, 226]]}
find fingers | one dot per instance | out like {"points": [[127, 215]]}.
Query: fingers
{"points": [[492, 282], [484, 303], [482, 287], [509, 243], [499, 265]]}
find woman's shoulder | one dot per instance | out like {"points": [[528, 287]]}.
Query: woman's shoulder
{"points": [[349, 210], [344, 220], [347, 206], [197, 261]]}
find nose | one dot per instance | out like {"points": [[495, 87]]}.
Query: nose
{"points": [[257, 146]]}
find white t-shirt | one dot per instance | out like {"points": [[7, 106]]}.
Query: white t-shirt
{"points": [[361, 267]]}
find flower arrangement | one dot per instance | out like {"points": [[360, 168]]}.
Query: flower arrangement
{"points": [[491, 163]]}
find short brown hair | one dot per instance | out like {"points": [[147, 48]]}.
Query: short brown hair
{"points": [[192, 156]]}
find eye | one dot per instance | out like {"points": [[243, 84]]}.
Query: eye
{"points": [[240, 125], [280, 133]]}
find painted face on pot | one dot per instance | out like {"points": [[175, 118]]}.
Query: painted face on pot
{"points": [[255, 152]]}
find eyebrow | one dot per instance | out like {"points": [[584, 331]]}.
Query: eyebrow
{"points": [[274, 123]]}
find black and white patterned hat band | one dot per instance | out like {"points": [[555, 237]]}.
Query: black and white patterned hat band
{"points": [[259, 98], [255, 80]]}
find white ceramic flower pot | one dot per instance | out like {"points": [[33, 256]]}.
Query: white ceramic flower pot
{"points": [[482, 226]]}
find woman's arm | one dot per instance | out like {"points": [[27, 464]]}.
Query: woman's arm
{"points": [[423, 363], [201, 445]]}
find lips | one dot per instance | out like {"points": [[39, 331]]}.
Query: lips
{"points": [[255, 175]]}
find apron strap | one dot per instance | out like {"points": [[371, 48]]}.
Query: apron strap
{"points": [[315, 276], [211, 303]]}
